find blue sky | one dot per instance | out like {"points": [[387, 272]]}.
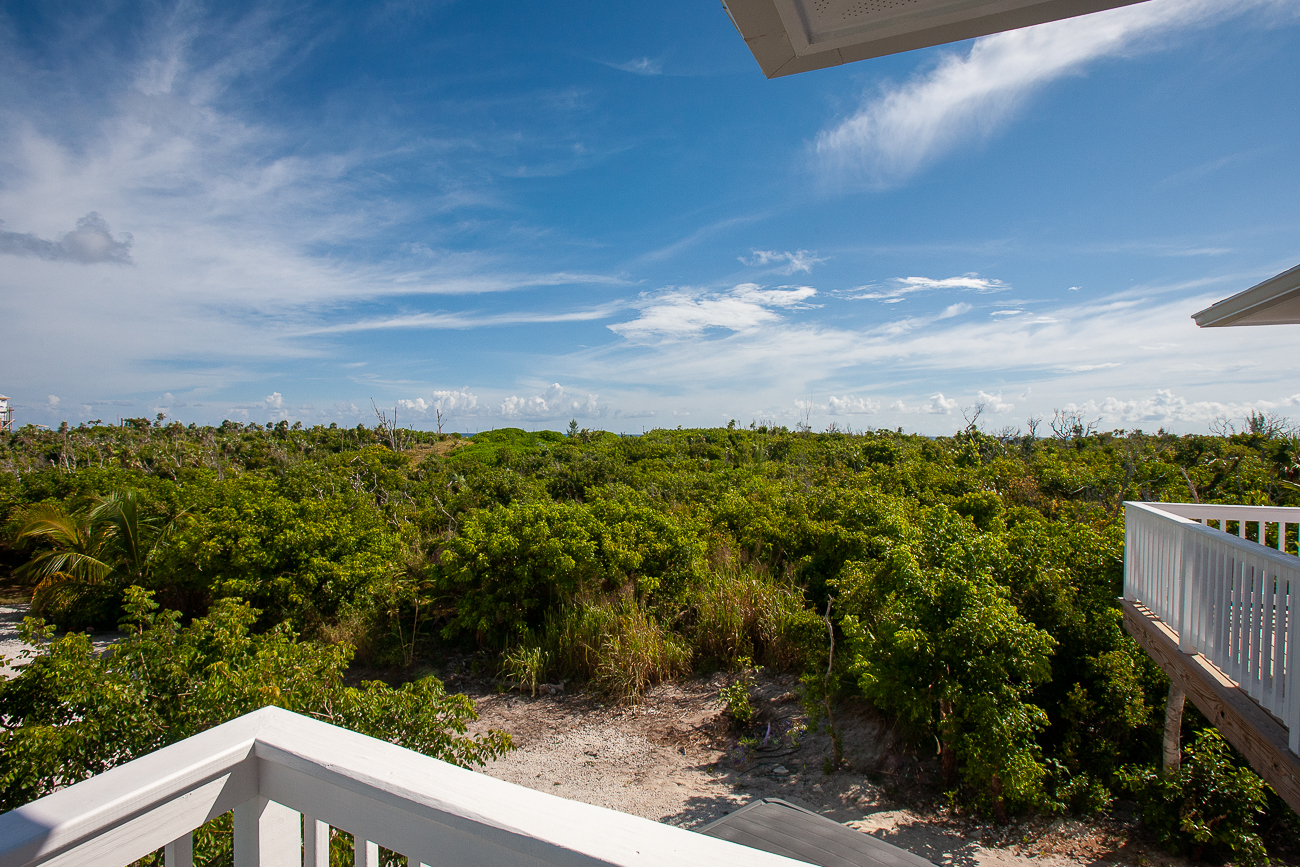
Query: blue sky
{"points": [[524, 213]]}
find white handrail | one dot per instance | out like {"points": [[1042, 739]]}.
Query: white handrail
{"points": [[1233, 600], [282, 773]]}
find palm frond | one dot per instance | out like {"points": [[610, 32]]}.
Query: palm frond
{"points": [[76, 564]]}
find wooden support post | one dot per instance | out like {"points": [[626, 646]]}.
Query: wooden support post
{"points": [[1174, 729], [1244, 724]]}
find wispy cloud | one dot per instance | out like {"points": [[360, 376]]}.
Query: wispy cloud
{"points": [[460, 321], [242, 239], [1195, 173], [894, 290], [700, 235], [782, 262], [641, 66], [678, 313], [91, 242], [970, 96]]}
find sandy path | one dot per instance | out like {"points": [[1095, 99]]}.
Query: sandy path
{"points": [[12, 646], [672, 760]]}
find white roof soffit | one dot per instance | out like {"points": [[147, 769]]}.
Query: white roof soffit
{"points": [[789, 36], [1276, 301]]}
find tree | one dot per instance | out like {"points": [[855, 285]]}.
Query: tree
{"points": [[70, 713], [94, 556], [940, 644]]}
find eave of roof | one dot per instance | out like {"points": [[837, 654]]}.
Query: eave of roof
{"points": [[1276, 301], [788, 36]]}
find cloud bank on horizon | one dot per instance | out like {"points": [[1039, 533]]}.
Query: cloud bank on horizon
{"points": [[269, 221]]}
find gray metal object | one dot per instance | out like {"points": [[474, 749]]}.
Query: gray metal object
{"points": [[788, 36], [1276, 301], [781, 828]]}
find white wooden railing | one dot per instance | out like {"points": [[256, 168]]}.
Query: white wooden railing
{"points": [[1222, 577], [289, 778]]}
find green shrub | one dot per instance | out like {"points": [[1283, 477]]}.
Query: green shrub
{"points": [[735, 698], [1211, 807], [70, 713]]}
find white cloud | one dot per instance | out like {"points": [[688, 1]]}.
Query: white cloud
{"points": [[941, 405], [641, 66], [994, 402], [678, 313], [1112, 345], [1166, 408], [785, 262], [970, 96], [937, 405], [553, 403], [53, 401], [217, 242], [455, 401], [851, 405], [462, 402], [91, 242], [896, 288], [274, 400], [461, 321]]}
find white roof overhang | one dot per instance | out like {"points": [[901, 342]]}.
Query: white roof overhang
{"points": [[788, 36], [1276, 301]]}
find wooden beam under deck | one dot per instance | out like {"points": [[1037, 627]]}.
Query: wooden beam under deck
{"points": [[1255, 733]]}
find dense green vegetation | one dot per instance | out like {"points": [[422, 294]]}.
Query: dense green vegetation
{"points": [[970, 581]]}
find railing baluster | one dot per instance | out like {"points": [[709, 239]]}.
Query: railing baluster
{"points": [[1292, 717], [267, 834], [1234, 653], [365, 853], [1227, 596], [1277, 629], [179, 852], [315, 842]]}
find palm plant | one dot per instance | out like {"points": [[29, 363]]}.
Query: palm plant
{"points": [[93, 557]]}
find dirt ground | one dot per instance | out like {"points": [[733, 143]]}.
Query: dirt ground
{"points": [[13, 608], [673, 759]]}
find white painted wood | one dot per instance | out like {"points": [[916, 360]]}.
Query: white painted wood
{"points": [[1209, 573], [179, 852], [365, 853], [122, 840], [106, 812], [315, 842], [442, 814], [271, 763], [267, 834]]}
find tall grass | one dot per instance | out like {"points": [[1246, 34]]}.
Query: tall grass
{"points": [[616, 646], [621, 647], [740, 612]]}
